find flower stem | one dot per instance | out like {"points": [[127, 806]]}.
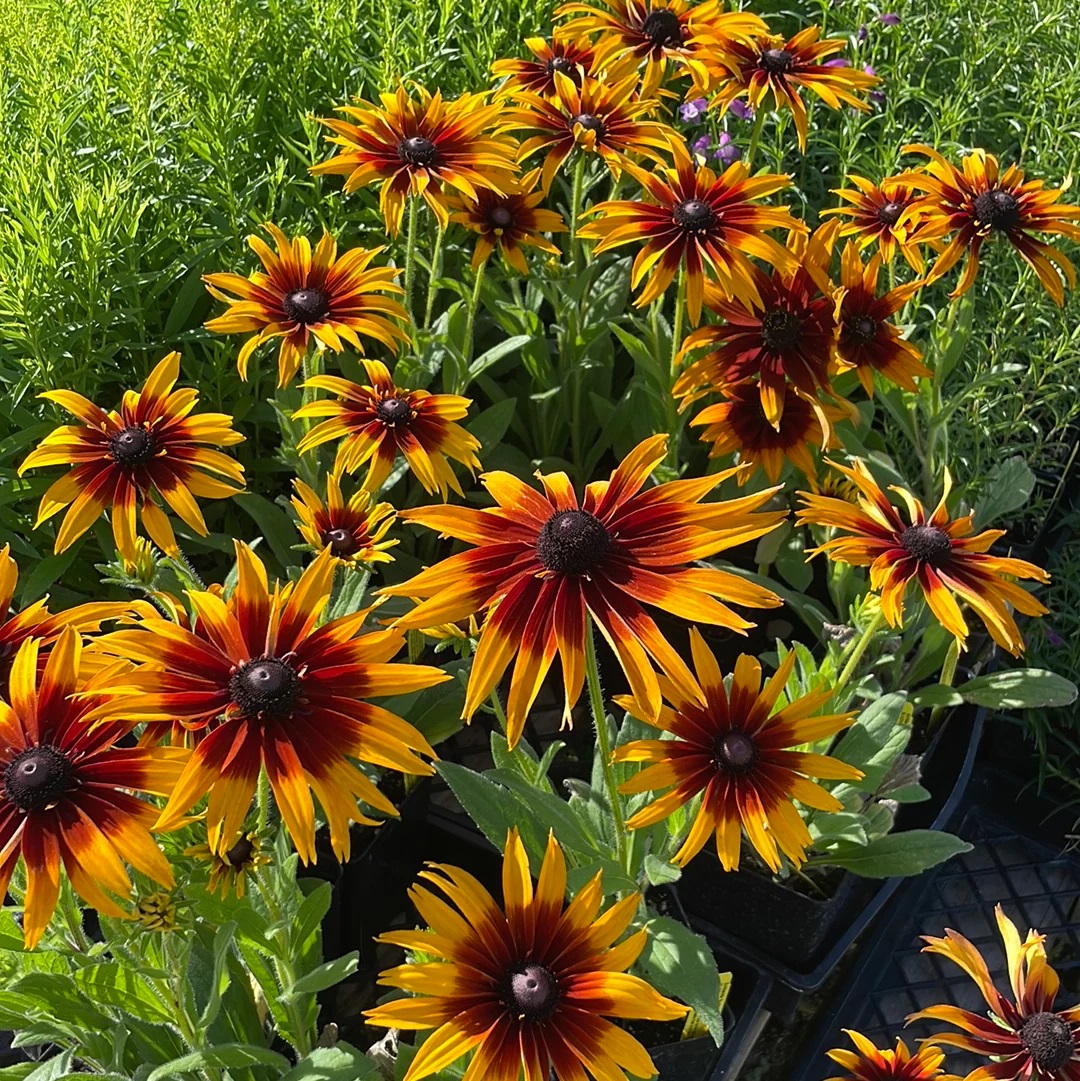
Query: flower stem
{"points": [[856, 654], [603, 745], [470, 323], [755, 138], [674, 426], [497, 709], [263, 802], [189, 577], [433, 277], [575, 202], [410, 256], [948, 674]]}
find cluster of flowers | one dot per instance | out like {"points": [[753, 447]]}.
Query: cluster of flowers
{"points": [[256, 682]]}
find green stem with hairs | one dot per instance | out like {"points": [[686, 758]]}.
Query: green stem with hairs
{"points": [[262, 802], [948, 674], [755, 138], [470, 324], [433, 277], [603, 745], [410, 255], [856, 654], [575, 202]]}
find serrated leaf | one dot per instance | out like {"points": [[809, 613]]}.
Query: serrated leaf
{"points": [[342, 1062], [907, 853], [113, 984], [326, 975], [224, 1056]]}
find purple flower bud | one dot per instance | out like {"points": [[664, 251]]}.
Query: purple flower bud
{"points": [[742, 109], [890, 18], [862, 34], [701, 145], [877, 97], [1053, 637], [836, 62], [727, 151], [691, 110], [869, 70]]}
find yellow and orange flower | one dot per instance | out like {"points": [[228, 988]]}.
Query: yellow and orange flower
{"points": [[302, 296], [68, 789], [659, 32], [699, 221], [787, 335], [573, 56], [276, 693], [510, 222], [769, 72], [884, 213], [730, 747], [978, 201], [867, 1063], [38, 622], [150, 448], [738, 424], [377, 421], [354, 531], [941, 555], [230, 863], [598, 118], [867, 341], [543, 562], [423, 146], [528, 986], [1025, 1038]]}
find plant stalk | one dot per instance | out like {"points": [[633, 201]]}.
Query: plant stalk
{"points": [[856, 654], [948, 674], [410, 256]]}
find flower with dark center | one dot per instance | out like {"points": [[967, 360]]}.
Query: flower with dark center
{"points": [[776, 61], [306, 306], [353, 530], [131, 447], [531, 992], [662, 27], [572, 542], [154, 450], [771, 71], [927, 543], [393, 411], [541, 564], [868, 1063], [944, 556], [694, 215], [781, 329], [374, 422], [230, 866], [571, 56], [542, 1015], [241, 852], [695, 219], [70, 795], [997, 209], [863, 328], [500, 217], [265, 686], [418, 150], [877, 212], [270, 689], [589, 122], [420, 146], [737, 751], [38, 777], [561, 63], [889, 213], [970, 203], [1024, 1037]]}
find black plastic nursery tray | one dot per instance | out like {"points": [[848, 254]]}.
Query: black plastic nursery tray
{"points": [[1019, 862]]}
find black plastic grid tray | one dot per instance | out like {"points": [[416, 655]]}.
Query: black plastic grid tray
{"points": [[1014, 862]]}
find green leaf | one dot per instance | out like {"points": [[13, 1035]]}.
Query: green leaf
{"points": [[326, 975], [54, 1069], [659, 872], [491, 356], [342, 1062], [490, 425], [873, 742], [937, 694], [113, 984], [908, 853], [484, 801], [224, 1056], [679, 962], [1019, 688], [791, 562], [18, 1072], [1008, 488], [274, 523], [223, 940], [309, 917]]}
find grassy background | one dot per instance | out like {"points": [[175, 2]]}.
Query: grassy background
{"points": [[142, 140]]}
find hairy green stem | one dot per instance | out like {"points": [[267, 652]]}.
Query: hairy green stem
{"points": [[410, 256], [575, 202], [948, 674], [469, 347], [755, 138], [433, 277], [856, 654]]}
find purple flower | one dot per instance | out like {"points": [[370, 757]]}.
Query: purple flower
{"points": [[1053, 637], [742, 109], [869, 70], [836, 62], [862, 34], [890, 18], [701, 145], [691, 110], [727, 151]]}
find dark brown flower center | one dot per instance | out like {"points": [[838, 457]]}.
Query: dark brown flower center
{"points": [[500, 217], [775, 61], [572, 542], [561, 63], [38, 777], [997, 209], [889, 213], [589, 123], [133, 446], [1049, 1040], [927, 544], [393, 411], [240, 853], [863, 328], [265, 685], [694, 216], [306, 306], [662, 27], [734, 752], [341, 541], [780, 330], [416, 150], [531, 991]]}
